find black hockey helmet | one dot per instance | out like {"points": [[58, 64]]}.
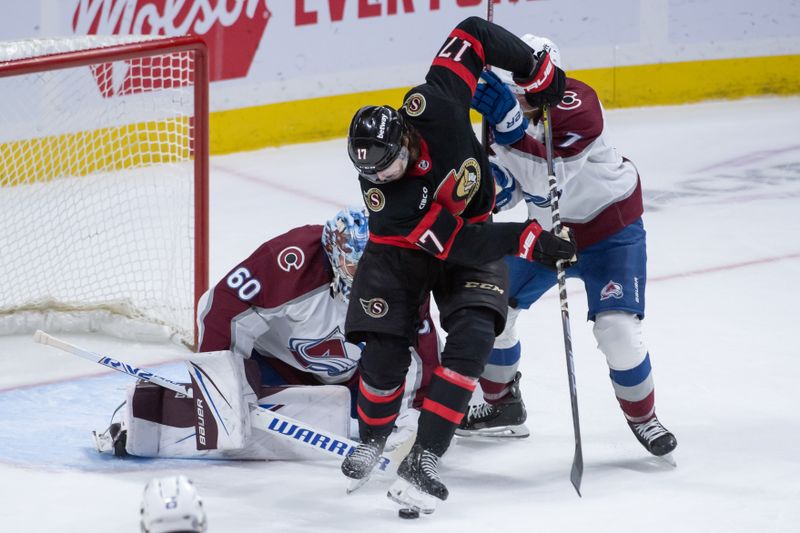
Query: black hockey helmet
{"points": [[375, 138]]}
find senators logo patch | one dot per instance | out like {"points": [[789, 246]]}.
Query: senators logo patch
{"points": [[414, 105], [374, 199], [375, 307], [457, 189]]}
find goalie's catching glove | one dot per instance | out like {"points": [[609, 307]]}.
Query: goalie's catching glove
{"points": [[545, 247]]}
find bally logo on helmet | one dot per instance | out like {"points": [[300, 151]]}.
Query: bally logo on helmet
{"points": [[231, 28], [375, 307]]}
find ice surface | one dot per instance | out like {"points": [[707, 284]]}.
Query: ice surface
{"points": [[722, 189]]}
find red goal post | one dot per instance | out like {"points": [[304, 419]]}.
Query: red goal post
{"points": [[104, 185]]}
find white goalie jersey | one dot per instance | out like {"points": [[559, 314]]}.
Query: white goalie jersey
{"points": [[276, 314], [278, 305]]}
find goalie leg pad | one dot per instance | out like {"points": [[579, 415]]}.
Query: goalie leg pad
{"points": [[160, 422], [221, 400], [325, 407]]}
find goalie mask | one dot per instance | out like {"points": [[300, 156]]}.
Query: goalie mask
{"points": [[344, 238], [171, 505]]}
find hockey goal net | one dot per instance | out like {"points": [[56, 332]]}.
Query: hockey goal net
{"points": [[103, 185]]}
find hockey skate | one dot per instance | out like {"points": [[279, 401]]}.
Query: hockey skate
{"points": [[419, 485], [112, 440], [501, 420], [359, 464], [397, 446], [654, 437]]}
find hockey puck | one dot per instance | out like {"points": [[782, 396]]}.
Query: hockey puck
{"points": [[408, 514]]}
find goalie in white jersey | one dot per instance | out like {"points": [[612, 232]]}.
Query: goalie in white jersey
{"points": [[281, 313], [601, 203]]}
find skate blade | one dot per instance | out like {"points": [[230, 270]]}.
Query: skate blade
{"points": [[505, 432], [669, 459], [410, 497], [356, 484]]}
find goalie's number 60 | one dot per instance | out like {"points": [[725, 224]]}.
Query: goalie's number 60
{"points": [[242, 280]]}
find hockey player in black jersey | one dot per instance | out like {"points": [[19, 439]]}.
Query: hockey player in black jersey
{"points": [[425, 179]]}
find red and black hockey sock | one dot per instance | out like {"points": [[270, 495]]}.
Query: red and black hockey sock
{"points": [[382, 367], [442, 410], [377, 410]]}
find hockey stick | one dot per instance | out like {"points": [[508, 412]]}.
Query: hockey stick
{"points": [[484, 123], [577, 461], [332, 445]]}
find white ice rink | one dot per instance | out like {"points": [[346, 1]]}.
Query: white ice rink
{"points": [[722, 197]]}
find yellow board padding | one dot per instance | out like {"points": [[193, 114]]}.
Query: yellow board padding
{"points": [[141, 144], [103, 150], [694, 81], [310, 120], [643, 85]]}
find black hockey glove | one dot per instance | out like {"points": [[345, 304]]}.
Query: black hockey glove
{"points": [[546, 82], [545, 247]]}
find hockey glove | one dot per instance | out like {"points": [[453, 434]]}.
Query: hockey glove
{"points": [[546, 82], [500, 108], [545, 247], [504, 187]]}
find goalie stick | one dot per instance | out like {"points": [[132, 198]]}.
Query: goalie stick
{"points": [[576, 473], [329, 444]]}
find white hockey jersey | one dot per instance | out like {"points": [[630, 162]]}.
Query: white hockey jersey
{"points": [[600, 190]]}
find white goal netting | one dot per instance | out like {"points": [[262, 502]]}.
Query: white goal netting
{"points": [[98, 182]]}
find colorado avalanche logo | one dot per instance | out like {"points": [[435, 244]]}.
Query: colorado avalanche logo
{"points": [[327, 355], [611, 290]]}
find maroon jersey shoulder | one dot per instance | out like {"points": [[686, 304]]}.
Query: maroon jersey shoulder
{"points": [[286, 267], [577, 119]]}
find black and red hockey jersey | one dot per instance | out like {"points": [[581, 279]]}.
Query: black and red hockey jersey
{"points": [[445, 195]]}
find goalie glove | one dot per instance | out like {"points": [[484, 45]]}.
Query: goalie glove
{"points": [[500, 108], [546, 82], [545, 247]]}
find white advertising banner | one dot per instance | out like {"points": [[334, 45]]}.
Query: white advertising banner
{"points": [[269, 51]]}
